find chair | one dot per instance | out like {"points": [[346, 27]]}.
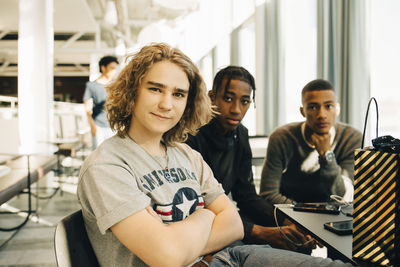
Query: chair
{"points": [[71, 243]]}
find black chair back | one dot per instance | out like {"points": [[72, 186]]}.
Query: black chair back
{"points": [[71, 243]]}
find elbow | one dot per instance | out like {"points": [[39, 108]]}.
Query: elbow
{"points": [[179, 252], [170, 256], [173, 261], [237, 228], [240, 230], [236, 225], [269, 196]]}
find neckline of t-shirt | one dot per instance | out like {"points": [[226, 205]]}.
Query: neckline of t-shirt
{"points": [[148, 154]]}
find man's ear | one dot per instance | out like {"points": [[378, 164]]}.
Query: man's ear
{"points": [[211, 94], [302, 112], [337, 109]]}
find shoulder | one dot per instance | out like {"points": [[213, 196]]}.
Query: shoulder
{"points": [[201, 139], [242, 130], [346, 127], [347, 131], [285, 138], [195, 141], [110, 151], [290, 129], [188, 154], [90, 87], [90, 84], [347, 137], [185, 149], [201, 134], [93, 85]]}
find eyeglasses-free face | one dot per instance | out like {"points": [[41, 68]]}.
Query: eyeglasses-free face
{"points": [[232, 102]]}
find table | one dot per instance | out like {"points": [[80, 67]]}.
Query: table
{"points": [[28, 166], [313, 223], [5, 158], [258, 145]]}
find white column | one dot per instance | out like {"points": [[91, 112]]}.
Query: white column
{"points": [[35, 72]]}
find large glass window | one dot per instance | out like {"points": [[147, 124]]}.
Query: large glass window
{"points": [[247, 59], [300, 64], [222, 53], [206, 68], [385, 58]]}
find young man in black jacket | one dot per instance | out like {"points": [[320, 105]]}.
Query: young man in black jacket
{"points": [[224, 145]]}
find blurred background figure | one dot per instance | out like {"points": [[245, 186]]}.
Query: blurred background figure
{"points": [[94, 98]]}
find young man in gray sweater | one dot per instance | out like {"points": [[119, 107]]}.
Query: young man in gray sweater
{"points": [[310, 161]]}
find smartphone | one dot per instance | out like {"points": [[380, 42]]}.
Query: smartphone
{"points": [[340, 228], [324, 207]]}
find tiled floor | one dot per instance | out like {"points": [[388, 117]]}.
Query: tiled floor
{"points": [[33, 245]]}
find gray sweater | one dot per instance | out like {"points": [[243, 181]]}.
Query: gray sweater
{"points": [[293, 171]]}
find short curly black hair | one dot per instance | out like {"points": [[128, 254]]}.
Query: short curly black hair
{"points": [[233, 73]]}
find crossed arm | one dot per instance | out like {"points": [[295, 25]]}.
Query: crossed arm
{"points": [[180, 243]]}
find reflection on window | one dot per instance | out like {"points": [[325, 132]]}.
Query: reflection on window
{"points": [[222, 53], [206, 70], [247, 59], [300, 38], [385, 58]]}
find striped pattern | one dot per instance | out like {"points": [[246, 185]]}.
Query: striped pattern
{"points": [[376, 207]]}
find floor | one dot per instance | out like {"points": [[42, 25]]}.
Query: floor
{"points": [[33, 244]]}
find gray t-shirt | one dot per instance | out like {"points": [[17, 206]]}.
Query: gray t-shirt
{"points": [[98, 93], [120, 178]]}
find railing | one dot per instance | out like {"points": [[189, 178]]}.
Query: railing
{"points": [[8, 107]]}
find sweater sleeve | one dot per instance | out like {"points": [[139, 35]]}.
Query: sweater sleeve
{"points": [[341, 171], [331, 180], [274, 165], [254, 207]]}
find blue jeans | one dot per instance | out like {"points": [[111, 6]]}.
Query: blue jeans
{"points": [[264, 255]]}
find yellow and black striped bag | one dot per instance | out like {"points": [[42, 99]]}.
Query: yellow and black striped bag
{"points": [[376, 217]]}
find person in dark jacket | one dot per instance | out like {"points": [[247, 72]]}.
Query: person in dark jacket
{"points": [[224, 145]]}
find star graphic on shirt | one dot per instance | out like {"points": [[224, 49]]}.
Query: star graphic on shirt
{"points": [[185, 206], [184, 202]]}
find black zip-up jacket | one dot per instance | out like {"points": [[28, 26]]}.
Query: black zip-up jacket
{"points": [[229, 157]]}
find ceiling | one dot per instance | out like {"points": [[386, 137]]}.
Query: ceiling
{"points": [[85, 27]]}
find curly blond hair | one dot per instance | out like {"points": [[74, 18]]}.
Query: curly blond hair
{"points": [[122, 92]]}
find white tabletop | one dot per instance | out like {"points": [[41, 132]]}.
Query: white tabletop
{"points": [[4, 170]]}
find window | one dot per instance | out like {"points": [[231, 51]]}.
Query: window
{"points": [[205, 67], [222, 53], [300, 64], [247, 59], [385, 58]]}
